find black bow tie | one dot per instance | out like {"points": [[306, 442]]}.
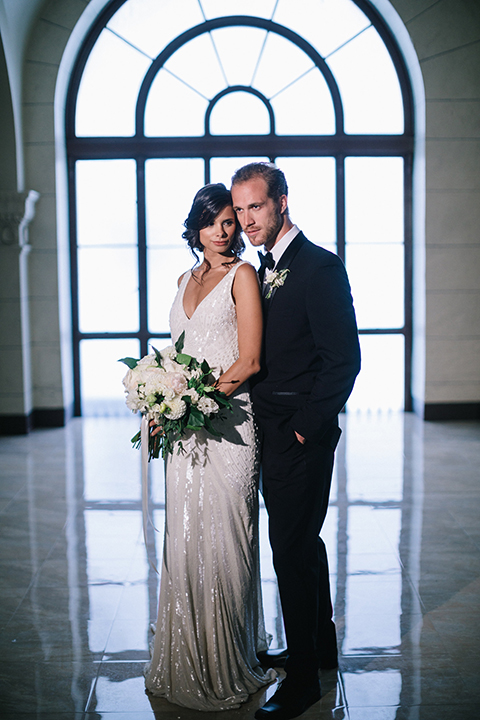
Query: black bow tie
{"points": [[266, 261]]}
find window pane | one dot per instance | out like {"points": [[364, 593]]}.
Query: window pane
{"points": [[109, 87], [311, 197], [376, 275], [168, 93], [239, 113], [380, 384], [280, 64], [164, 268], [108, 289], [106, 202], [220, 8], [101, 375], [369, 85], [239, 49], [196, 63], [222, 168], [326, 24], [374, 200], [150, 25], [170, 186], [305, 108]]}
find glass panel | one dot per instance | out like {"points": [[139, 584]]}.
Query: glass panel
{"points": [[326, 24], [240, 113], [376, 275], [164, 268], [168, 93], [375, 474], [311, 197], [196, 63], [110, 475], [239, 49], [368, 85], [170, 186], [280, 64], [374, 200], [150, 25], [222, 168], [380, 384], [101, 376], [305, 108], [108, 289], [220, 8], [109, 88], [106, 202]]}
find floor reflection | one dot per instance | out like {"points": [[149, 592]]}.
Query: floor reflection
{"points": [[78, 591]]}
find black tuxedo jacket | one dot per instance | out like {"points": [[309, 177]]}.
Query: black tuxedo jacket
{"points": [[311, 352]]}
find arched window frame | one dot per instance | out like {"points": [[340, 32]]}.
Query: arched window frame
{"points": [[140, 148]]}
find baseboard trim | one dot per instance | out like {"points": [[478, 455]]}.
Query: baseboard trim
{"points": [[38, 418], [15, 424], [452, 411]]}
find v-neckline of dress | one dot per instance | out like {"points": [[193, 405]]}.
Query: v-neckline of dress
{"points": [[206, 296]]}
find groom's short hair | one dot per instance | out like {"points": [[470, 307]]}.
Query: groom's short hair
{"points": [[273, 176]]}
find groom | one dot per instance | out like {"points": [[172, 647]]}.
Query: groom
{"points": [[310, 360]]}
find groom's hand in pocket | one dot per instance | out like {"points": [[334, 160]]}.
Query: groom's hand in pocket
{"points": [[300, 438]]}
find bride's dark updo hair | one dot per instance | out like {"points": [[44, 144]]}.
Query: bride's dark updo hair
{"points": [[207, 204]]}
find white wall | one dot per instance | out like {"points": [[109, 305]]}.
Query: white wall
{"points": [[446, 38]]}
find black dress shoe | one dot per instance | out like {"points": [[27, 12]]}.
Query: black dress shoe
{"points": [[289, 701], [277, 659]]}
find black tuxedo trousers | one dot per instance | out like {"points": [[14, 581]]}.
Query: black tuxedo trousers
{"points": [[310, 360]]}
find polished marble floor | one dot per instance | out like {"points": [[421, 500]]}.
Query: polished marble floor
{"points": [[77, 591]]}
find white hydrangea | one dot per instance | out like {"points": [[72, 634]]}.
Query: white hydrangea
{"points": [[177, 409], [207, 405]]}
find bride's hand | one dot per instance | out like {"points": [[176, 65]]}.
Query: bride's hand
{"points": [[158, 428]]}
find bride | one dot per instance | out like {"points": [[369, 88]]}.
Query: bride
{"points": [[210, 620]]}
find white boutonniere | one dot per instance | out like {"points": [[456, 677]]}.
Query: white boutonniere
{"points": [[275, 279]]}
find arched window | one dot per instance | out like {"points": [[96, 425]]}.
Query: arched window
{"points": [[164, 99]]}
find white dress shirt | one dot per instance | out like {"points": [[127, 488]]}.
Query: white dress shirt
{"points": [[280, 247]]}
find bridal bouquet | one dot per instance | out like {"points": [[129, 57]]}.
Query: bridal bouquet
{"points": [[174, 390]]}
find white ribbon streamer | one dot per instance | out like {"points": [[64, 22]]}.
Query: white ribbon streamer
{"points": [[144, 435]]}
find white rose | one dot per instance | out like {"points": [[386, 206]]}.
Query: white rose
{"points": [[193, 395], [168, 352], [207, 405], [130, 381]]}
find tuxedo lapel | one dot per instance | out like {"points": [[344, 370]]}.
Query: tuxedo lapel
{"points": [[285, 262]]}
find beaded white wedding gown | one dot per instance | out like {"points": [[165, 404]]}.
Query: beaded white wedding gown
{"points": [[210, 619]]}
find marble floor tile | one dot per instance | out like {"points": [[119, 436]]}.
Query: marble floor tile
{"points": [[78, 594]]}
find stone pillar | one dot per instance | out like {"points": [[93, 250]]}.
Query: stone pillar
{"points": [[17, 210]]}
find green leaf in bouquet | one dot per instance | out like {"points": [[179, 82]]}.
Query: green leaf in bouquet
{"points": [[131, 362], [222, 399], [158, 356], [196, 419], [179, 343], [205, 367], [183, 359]]}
